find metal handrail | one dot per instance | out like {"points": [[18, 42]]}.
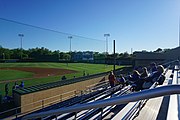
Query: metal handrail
{"points": [[145, 94]]}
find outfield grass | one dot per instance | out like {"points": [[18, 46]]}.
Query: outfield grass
{"points": [[13, 74], [80, 67]]}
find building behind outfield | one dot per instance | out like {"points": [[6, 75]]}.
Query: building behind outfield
{"points": [[145, 58]]}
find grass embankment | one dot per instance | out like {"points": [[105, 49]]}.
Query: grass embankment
{"points": [[13, 75]]}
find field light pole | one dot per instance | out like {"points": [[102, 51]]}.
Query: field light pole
{"points": [[21, 36], [106, 36], [70, 37]]}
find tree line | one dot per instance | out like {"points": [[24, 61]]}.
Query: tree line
{"points": [[46, 54]]}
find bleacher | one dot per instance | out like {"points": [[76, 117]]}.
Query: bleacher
{"points": [[103, 102], [116, 103]]}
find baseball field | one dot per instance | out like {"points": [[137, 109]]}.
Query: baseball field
{"points": [[45, 72]]}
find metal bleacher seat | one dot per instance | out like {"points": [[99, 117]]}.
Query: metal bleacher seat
{"points": [[144, 108]]}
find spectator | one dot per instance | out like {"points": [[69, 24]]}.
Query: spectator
{"points": [[144, 73], [16, 86], [111, 78], [121, 80], [84, 73], [153, 77], [21, 85], [6, 89], [153, 67], [63, 77], [134, 77], [138, 84]]}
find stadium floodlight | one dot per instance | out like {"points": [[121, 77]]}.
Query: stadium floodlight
{"points": [[106, 35], [21, 36], [70, 37]]}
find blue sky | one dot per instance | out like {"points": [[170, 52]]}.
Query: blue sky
{"points": [[137, 24]]}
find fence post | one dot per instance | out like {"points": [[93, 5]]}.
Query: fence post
{"points": [[75, 93], [75, 116], [61, 98], [42, 103], [101, 113], [16, 112]]}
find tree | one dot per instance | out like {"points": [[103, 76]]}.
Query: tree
{"points": [[125, 55], [158, 50], [66, 56]]}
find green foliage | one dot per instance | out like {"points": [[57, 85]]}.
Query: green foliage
{"points": [[48, 55]]}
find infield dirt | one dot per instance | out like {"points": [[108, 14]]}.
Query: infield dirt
{"points": [[39, 72]]}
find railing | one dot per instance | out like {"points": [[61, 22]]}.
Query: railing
{"points": [[174, 100], [145, 94]]}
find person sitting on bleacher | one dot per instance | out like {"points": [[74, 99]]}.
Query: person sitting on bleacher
{"points": [[144, 73], [134, 77], [138, 84], [156, 76], [153, 67], [121, 80]]}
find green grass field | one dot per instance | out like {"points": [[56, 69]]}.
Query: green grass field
{"points": [[15, 74]]}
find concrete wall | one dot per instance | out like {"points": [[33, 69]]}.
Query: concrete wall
{"points": [[39, 99]]}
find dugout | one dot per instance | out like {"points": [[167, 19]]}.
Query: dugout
{"points": [[36, 97]]}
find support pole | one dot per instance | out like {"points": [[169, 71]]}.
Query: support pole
{"points": [[114, 56]]}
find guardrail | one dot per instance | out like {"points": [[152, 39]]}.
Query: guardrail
{"points": [[172, 113], [145, 94]]}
